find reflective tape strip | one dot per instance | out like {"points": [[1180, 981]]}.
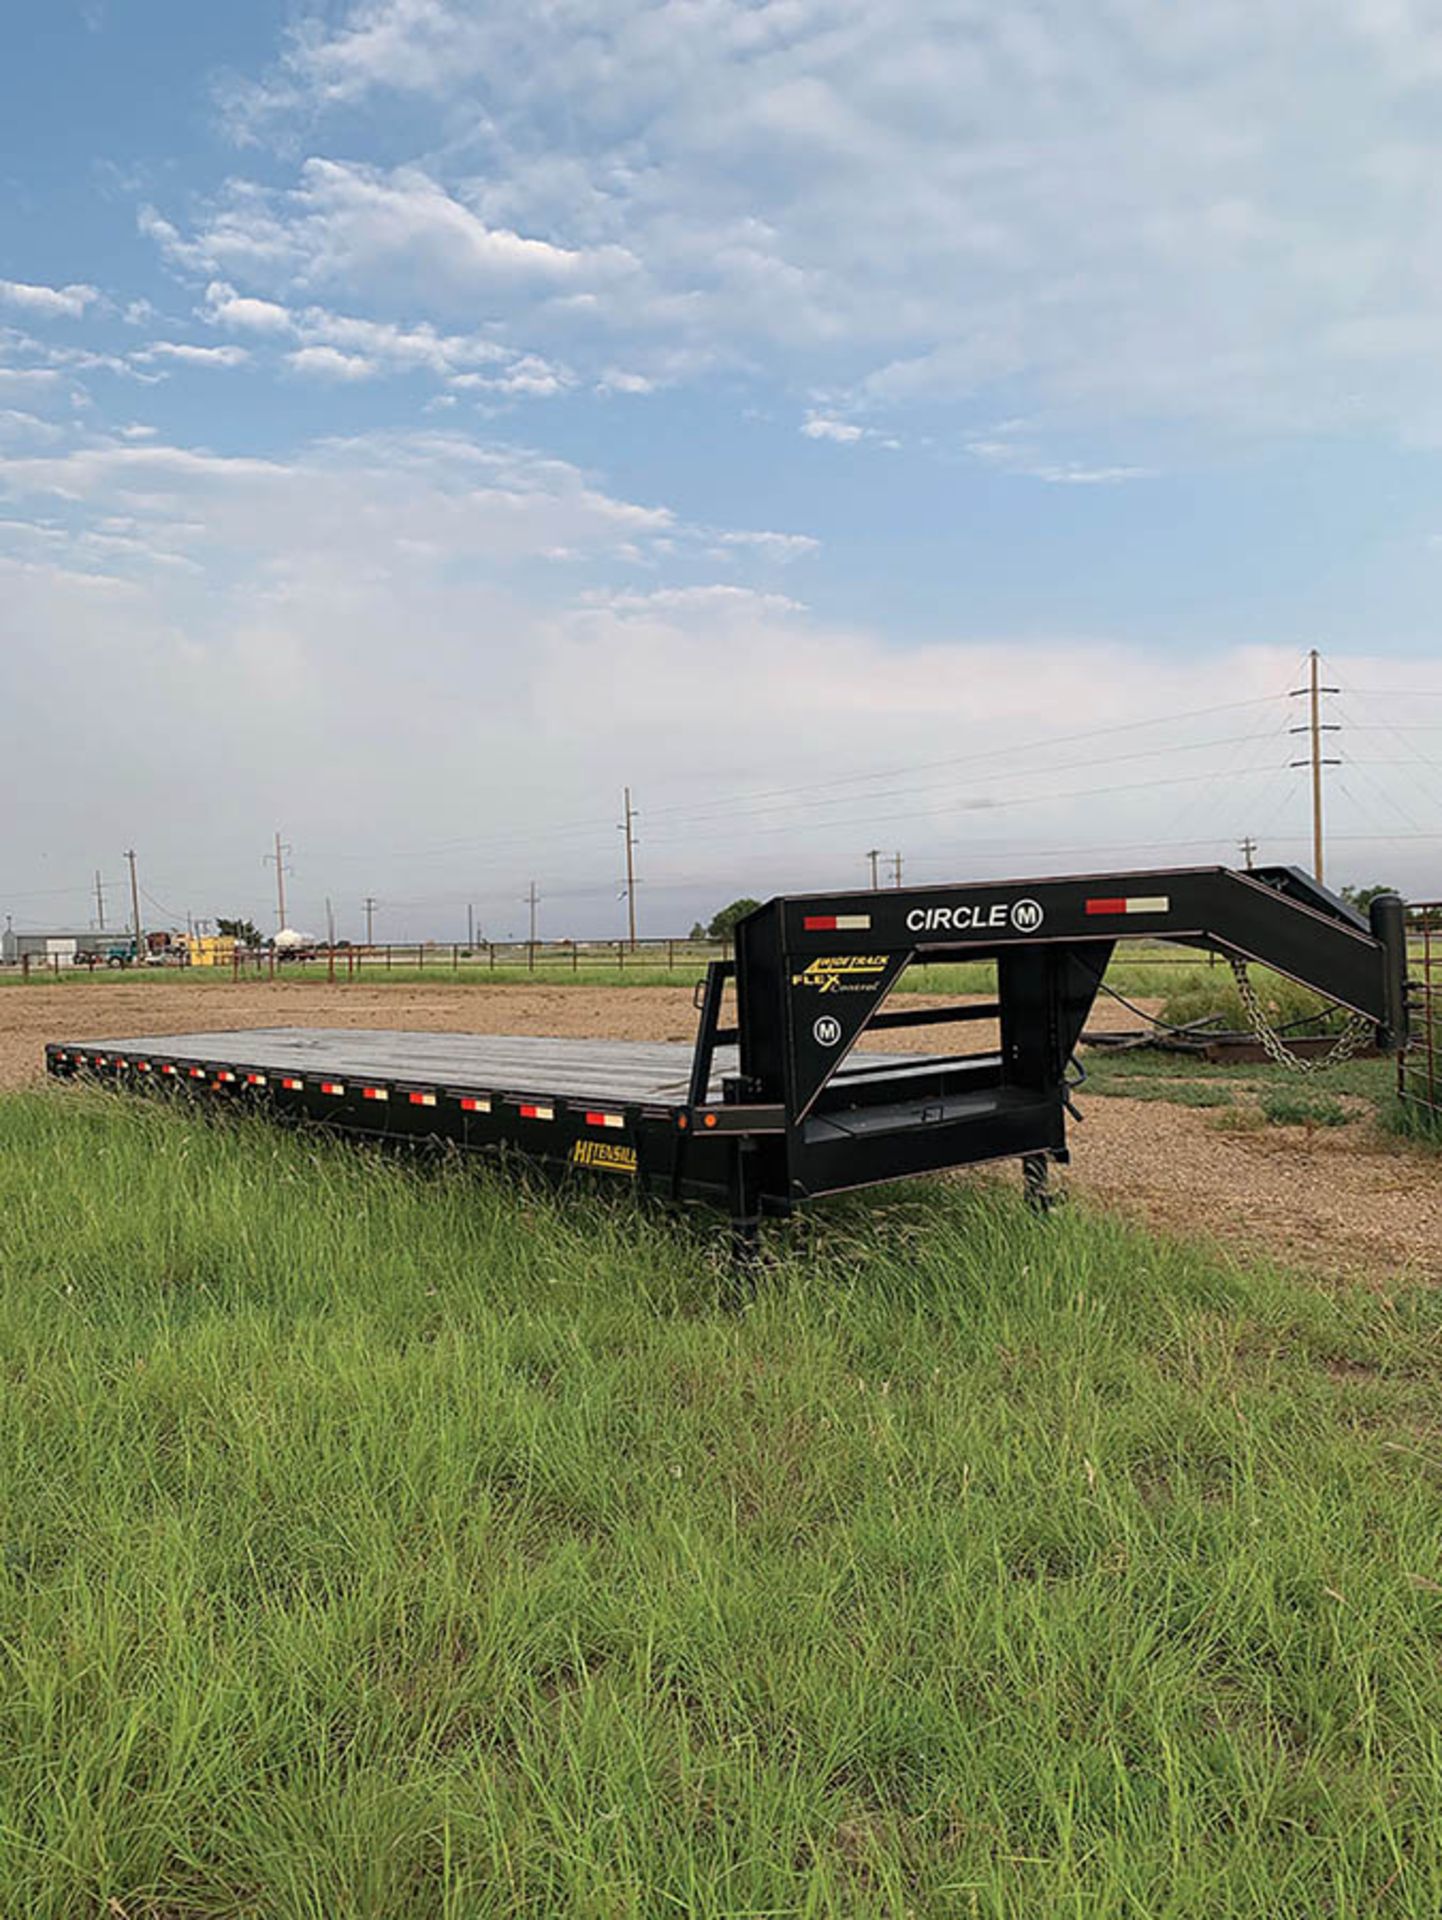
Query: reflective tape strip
{"points": [[255, 1079], [122, 1063], [480, 1104], [375, 1093], [167, 1068], [538, 1113], [423, 1099], [142, 1066], [197, 1073], [293, 1086], [332, 1086], [1135, 903], [837, 923], [605, 1119], [225, 1074]]}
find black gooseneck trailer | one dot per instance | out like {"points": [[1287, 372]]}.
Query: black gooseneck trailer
{"points": [[763, 1115]]}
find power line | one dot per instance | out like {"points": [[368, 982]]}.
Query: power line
{"points": [[280, 872], [628, 827], [1314, 729], [134, 900]]}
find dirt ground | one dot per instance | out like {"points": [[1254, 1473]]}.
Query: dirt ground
{"points": [[1344, 1203]]}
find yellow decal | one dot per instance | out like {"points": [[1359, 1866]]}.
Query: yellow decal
{"points": [[604, 1155], [843, 973]]}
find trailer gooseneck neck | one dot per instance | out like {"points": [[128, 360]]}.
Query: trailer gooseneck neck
{"points": [[781, 1107]]}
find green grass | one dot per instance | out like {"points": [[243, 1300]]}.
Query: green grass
{"points": [[1128, 1073], [395, 1541], [1415, 1120], [1302, 1107]]}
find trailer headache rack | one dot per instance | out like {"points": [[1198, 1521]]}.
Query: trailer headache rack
{"points": [[761, 1116]]}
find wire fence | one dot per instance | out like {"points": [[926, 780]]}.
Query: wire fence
{"points": [[457, 960], [431, 958], [1419, 1070]]}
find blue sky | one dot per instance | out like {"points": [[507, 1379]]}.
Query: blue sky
{"points": [[844, 420]]}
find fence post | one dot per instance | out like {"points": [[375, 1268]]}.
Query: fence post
{"points": [[620, 956], [455, 957], [670, 956], [575, 956], [330, 964], [491, 946], [531, 956]]}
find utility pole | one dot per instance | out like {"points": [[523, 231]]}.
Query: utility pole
{"points": [[329, 923], [470, 927], [1248, 848], [1315, 727], [532, 900], [279, 858], [99, 901], [873, 854], [370, 918], [135, 902], [896, 869], [628, 827]]}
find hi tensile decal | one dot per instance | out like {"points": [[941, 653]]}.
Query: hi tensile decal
{"points": [[843, 973], [604, 1155]]}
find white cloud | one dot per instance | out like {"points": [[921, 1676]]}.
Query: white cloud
{"points": [[28, 382], [349, 347], [184, 354], [383, 618], [821, 427], [227, 308], [1023, 459], [729, 603], [48, 303], [1140, 212], [328, 363], [771, 546], [363, 228]]}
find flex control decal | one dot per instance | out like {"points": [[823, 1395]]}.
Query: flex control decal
{"points": [[843, 973], [829, 1001]]}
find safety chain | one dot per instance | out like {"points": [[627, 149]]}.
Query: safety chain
{"points": [[1353, 1037]]}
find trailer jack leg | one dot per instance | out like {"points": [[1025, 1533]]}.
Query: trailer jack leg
{"points": [[1041, 1197], [745, 1212]]}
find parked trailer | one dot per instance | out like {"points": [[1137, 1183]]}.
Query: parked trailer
{"points": [[763, 1115]]}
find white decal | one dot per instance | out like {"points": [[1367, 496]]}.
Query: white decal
{"points": [[827, 1031], [1025, 916]]}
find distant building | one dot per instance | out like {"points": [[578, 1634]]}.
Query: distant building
{"points": [[48, 948]]}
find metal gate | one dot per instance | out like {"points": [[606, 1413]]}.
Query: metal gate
{"points": [[1419, 1075]]}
